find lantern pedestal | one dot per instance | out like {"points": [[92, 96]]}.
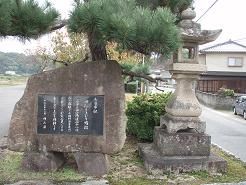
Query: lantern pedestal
{"points": [[180, 143]]}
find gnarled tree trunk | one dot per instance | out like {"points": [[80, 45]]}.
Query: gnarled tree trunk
{"points": [[98, 51]]}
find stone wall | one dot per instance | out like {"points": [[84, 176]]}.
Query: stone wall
{"points": [[215, 101]]}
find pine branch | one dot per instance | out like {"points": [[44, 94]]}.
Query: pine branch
{"points": [[18, 2], [58, 25], [59, 61], [141, 75], [156, 87], [140, 49], [67, 63]]}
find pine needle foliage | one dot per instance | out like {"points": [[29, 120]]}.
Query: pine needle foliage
{"points": [[125, 22], [25, 19], [176, 6]]}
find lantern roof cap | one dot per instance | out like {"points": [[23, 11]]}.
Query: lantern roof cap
{"points": [[191, 31]]}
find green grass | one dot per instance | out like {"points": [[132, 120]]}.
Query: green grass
{"points": [[126, 169], [10, 171], [236, 171], [139, 181]]}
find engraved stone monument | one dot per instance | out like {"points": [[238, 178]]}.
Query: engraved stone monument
{"points": [[180, 143], [77, 109]]}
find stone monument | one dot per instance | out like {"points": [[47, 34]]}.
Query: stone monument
{"points": [[77, 109], [180, 143]]}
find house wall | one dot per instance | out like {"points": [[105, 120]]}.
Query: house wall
{"points": [[202, 59], [219, 61], [215, 101]]}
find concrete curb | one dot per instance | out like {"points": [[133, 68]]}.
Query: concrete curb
{"points": [[228, 152]]}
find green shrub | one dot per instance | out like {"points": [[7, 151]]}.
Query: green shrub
{"points": [[131, 87], [226, 92], [127, 66], [143, 114]]}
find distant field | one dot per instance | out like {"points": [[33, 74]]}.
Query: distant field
{"points": [[6, 80]]}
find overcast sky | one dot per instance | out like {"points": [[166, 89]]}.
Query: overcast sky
{"points": [[225, 14]]}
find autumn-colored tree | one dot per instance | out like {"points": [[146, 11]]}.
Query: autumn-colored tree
{"points": [[65, 48], [122, 56], [41, 57], [72, 47]]}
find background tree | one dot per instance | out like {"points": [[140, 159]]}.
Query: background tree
{"points": [[65, 48], [70, 47], [122, 56], [20, 63], [26, 19], [41, 58], [143, 26]]}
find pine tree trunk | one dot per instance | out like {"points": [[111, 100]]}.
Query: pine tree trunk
{"points": [[98, 51]]}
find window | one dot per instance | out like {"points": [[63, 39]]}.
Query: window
{"points": [[235, 61]]}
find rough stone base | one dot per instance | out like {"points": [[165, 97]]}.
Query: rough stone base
{"points": [[35, 161], [181, 144], [175, 124], [95, 164], [158, 164]]}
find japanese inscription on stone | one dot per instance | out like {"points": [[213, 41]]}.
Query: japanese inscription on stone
{"points": [[75, 115]]}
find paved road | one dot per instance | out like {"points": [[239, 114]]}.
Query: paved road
{"points": [[8, 97], [227, 130]]}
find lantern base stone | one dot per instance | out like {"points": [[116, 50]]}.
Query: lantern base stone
{"points": [[182, 143], [157, 164]]}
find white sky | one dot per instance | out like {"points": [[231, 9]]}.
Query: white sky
{"points": [[225, 14]]}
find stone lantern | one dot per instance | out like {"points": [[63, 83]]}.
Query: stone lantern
{"points": [[180, 143]]}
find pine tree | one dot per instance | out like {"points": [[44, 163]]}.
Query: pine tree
{"points": [[144, 25], [141, 25], [26, 19]]}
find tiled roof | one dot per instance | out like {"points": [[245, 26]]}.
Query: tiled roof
{"points": [[229, 46]]}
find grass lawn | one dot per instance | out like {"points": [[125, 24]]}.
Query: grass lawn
{"points": [[12, 80], [126, 169]]}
